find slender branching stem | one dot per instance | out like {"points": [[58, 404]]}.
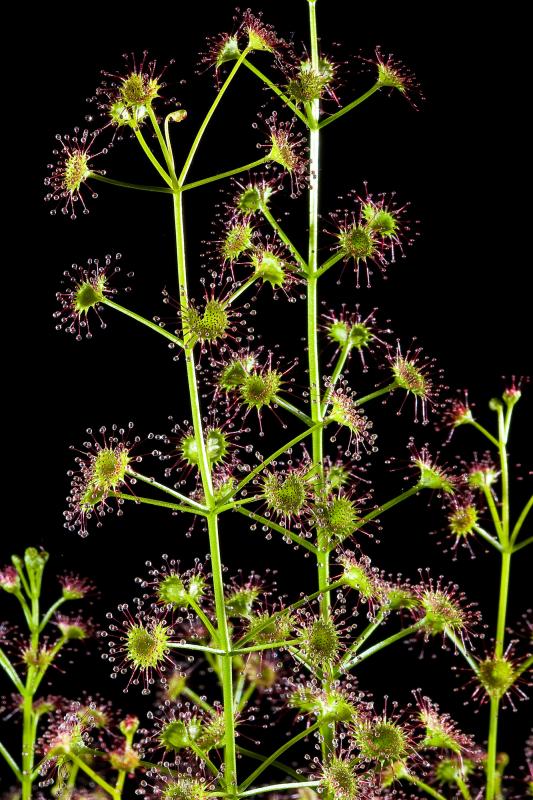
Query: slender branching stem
{"points": [[148, 323], [221, 175], [276, 91], [97, 176], [284, 747], [284, 238]]}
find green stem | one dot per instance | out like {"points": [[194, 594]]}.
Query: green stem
{"points": [[239, 651], [327, 731], [163, 488], [93, 775], [51, 611], [289, 609], [483, 533], [230, 757], [361, 639], [11, 672], [204, 465], [272, 457], [149, 501], [121, 779], [279, 528], [221, 175], [345, 666], [332, 260], [521, 519], [162, 144], [424, 786], [502, 604], [520, 545], [463, 788], [459, 645], [337, 372], [276, 90], [504, 464], [138, 318], [233, 504], [153, 160], [273, 757], [350, 106], [199, 701], [126, 185], [280, 787], [240, 290], [284, 238], [524, 666], [10, 761], [386, 506], [204, 618], [204, 757], [280, 401], [372, 396], [279, 765], [485, 432], [489, 497], [199, 648], [491, 749], [207, 118]]}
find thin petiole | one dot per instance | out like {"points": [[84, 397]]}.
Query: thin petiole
{"points": [[268, 761], [221, 175], [10, 761], [207, 118], [240, 290], [53, 608], [482, 532], [279, 528], [489, 497], [459, 645], [205, 619], [138, 318], [276, 764], [277, 91], [485, 432], [153, 160], [126, 185], [11, 672], [284, 238], [372, 396], [329, 263], [150, 501], [197, 647], [161, 486], [521, 519], [346, 665], [520, 545], [280, 401], [277, 787], [280, 451], [350, 106]]}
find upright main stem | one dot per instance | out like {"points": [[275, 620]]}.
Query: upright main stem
{"points": [[224, 639], [28, 713], [326, 730], [492, 747]]}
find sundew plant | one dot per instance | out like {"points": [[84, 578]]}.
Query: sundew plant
{"points": [[254, 691]]}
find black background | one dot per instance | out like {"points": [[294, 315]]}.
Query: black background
{"points": [[460, 291]]}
